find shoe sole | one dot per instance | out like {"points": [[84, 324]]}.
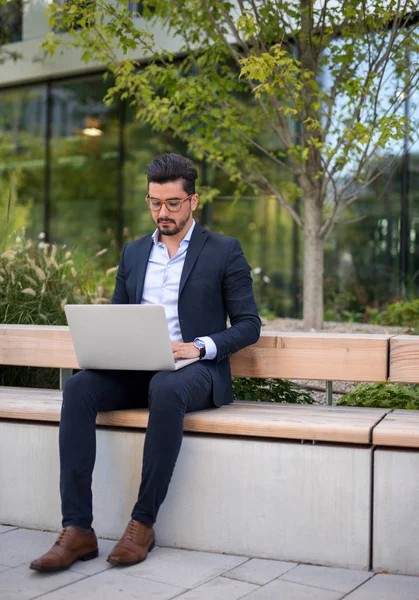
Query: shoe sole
{"points": [[88, 556], [116, 563]]}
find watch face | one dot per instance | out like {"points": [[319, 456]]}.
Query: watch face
{"points": [[201, 347]]}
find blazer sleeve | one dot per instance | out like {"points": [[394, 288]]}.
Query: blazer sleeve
{"points": [[240, 305], [120, 294]]}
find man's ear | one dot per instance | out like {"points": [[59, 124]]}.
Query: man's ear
{"points": [[194, 201]]}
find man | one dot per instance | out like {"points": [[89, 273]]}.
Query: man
{"points": [[200, 277]]}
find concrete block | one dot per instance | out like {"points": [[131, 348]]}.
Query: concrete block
{"points": [[396, 510], [270, 499], [254, 497]]}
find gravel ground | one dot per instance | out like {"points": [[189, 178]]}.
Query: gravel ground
{"points": [[330, 327], [283, 325]]}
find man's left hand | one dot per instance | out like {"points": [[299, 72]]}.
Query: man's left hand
{"points": [[185, 350]]}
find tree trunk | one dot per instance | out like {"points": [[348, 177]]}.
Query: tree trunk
{"points": [[313, 267]]}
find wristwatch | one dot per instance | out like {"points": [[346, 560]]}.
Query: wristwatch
{"points": [[201, 347]]}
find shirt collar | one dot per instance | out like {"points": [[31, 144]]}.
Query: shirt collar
{"points": [[187, 237]]}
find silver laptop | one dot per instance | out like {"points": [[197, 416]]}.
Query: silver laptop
{"points": [[132, 337]]}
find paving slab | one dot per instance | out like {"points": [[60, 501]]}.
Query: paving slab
{"points": [[387, 587], [115, 585], [96, 565], [4, 568], [21, 583], [220, 588], [260, 571], [21, 546], [286, 590], [184, 568], [328, 578], [6, 528]]}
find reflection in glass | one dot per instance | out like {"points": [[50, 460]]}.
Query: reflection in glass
{"points": [[22, 160], [84, 165]]}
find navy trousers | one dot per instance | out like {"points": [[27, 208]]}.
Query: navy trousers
{"points": [[167, 394]]}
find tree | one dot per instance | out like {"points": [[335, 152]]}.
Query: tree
{"points": [[328, 83]]}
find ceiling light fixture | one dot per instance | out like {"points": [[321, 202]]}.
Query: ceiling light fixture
{"points": [[92, 128], [92, 131]]}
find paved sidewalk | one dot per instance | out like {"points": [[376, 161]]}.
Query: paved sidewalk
{"points": [[184, 574]]}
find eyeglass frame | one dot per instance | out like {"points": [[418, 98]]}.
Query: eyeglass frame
{"points": [[165, 202]]}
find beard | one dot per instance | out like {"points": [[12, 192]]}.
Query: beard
{"points": [[171, 228]]}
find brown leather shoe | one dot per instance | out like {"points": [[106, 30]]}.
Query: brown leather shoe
{"points": [[134, 545], [70, 546]]}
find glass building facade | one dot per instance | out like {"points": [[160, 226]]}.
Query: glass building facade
{"points": [[77, 169]]}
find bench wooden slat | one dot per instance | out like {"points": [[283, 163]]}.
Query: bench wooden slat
{"points": [[339, 357], [404, 359], [334, 357], [399, 428], [37, 346], [279, 421]]}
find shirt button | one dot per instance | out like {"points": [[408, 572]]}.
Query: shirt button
{"points": [[168, 266]]}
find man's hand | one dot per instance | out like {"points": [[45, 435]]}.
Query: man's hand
{"points": [[182, 350]]}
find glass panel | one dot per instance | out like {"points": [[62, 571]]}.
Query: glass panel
{"points": [[135, 7], [413, 266], [363, 252], [11, 15], [138, 7], [265, 231], [84, 164], [22, 160]]}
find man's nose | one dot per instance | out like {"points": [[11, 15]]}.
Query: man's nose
{"points": [[164, 211]]}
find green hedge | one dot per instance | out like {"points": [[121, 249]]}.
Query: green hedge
{"points": [[270, 390], [382, 395]]}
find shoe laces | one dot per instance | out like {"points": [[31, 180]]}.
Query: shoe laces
{"points": [[63, 535], [131, 531]]}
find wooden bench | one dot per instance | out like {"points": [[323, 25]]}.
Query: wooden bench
{"points": [[404, 359], [244, 483], [291, 355]]}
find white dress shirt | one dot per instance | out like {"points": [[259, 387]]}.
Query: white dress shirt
{"points": [[161, 286]]}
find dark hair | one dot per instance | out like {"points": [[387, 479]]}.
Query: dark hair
{"points": [[171, 167]]}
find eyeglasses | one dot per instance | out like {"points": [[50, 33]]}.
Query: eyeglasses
{"points": [[173, 205]]}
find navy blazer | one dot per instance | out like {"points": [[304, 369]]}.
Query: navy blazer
{"points": [[215, 283]]}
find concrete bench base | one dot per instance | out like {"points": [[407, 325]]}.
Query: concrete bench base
{"points": [[396, 511], [256, 497]]}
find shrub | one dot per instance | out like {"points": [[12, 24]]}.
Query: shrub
{"points": [[36, 281], [402, 313], [341, 305], [382, 395], [270, 390]]}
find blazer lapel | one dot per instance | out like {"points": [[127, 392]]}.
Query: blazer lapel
{"points": [[198, 239], [143, 257]]}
